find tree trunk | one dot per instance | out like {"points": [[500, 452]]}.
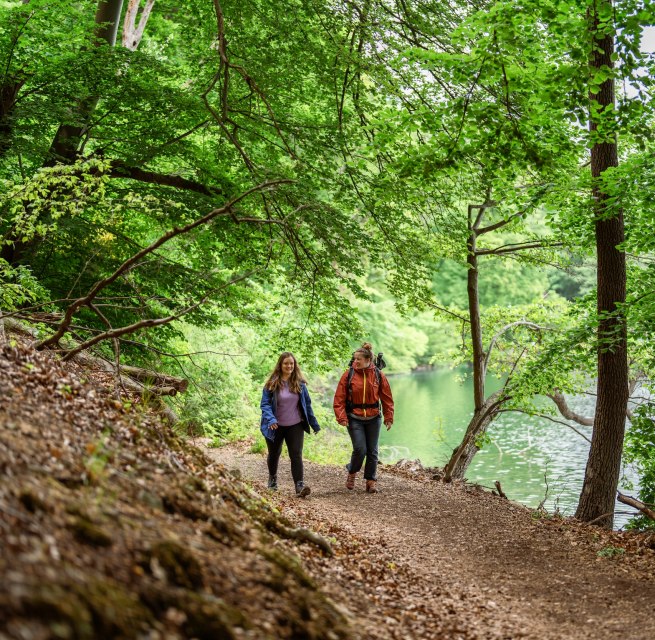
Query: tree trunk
{"points": [[474, 317], [8, 94], [603, 466], [465, 452], [66, 143], [482, 415], [67, 139]]}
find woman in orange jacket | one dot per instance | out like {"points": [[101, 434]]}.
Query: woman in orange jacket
{"points": [[361, 390]]}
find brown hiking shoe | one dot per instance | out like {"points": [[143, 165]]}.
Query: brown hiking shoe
{"points": [[370, 486], [350, 481]]}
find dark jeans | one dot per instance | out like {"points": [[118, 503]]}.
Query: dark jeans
{"points": [[364, 435], [294, 437]]}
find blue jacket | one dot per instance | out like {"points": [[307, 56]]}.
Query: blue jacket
{"points": [[269, 409]]}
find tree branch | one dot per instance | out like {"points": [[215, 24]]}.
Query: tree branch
{"points": [[444, 310], [129, 263], [150, 322], [120, 169], [566, 411], [507, 327], [547, 417], [637, 504], [512, 248], [501, 223]]}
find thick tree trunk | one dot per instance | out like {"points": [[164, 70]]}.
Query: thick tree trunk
{"points": [[465, 452], [66, 143], [603, 465], [67, 139]]}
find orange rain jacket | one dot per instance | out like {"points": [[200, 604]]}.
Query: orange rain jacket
{"points": [[365, 390]]}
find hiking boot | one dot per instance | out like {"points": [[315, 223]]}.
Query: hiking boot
{"points": [[370, 486], [272, 483], [302, 490], [350, 481]]}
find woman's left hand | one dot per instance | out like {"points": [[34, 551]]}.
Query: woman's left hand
{"points": [[388, 425]]}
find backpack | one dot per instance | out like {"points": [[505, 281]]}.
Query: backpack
{"points": [[378, 364]]}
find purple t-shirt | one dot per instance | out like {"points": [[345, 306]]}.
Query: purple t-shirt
{"points": [[288, 406]]}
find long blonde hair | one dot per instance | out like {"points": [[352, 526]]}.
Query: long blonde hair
{"points": [[274, 381]]}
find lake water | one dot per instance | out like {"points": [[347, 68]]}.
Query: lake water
{"points": [[432, 412]]}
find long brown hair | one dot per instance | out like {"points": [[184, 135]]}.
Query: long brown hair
{"points": [[274, 381]]}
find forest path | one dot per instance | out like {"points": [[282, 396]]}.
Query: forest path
{"points": [[423, 559]]}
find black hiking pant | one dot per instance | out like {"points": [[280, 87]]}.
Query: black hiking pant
{"points": [[294, 437], [364, 435]]}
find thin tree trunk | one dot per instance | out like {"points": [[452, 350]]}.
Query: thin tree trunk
{"points": [[603, 465], [463, 455], [132, 33], [474, 317]]}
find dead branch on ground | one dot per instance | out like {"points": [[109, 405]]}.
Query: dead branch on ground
{"points": [[637, 504]]}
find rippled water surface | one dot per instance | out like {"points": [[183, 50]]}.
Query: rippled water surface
{"points": [[432, 412]]}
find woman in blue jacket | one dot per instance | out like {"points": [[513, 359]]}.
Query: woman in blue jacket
{"points": [[286, 415]]}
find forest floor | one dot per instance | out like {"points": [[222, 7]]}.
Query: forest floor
{"points": [[423, 559], [111, 526]]}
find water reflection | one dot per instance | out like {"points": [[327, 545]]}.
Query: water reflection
{"points": [[533, 458]]}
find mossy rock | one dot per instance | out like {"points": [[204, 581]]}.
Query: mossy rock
{"points": [[59, 609], [286, 566], [32, 502], [194, 484], [224, 530], [97, 608], [206, 616], [89, 533], [178, 503], [116, 612], [210, 618], [178, 563]]}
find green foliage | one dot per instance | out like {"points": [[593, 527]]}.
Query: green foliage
{"points": [[165, 140], [381, 126], [639, 450], [19, 287], [611, 552]]}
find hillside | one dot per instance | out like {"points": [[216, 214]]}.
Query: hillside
{"points": [[112, 527]]}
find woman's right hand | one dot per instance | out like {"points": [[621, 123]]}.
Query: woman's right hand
{"points": [[274, 426]]}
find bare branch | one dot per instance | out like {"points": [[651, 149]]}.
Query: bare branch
{"points": [[567, 412], [637, 504], [150, 322], [128, 264], [120, 169]]}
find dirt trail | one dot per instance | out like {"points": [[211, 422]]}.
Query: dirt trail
{"points": [[426, 560]]}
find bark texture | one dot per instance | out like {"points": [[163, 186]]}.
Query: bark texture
{"points": [[603, 466], [68, 137], [465, 452]]}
